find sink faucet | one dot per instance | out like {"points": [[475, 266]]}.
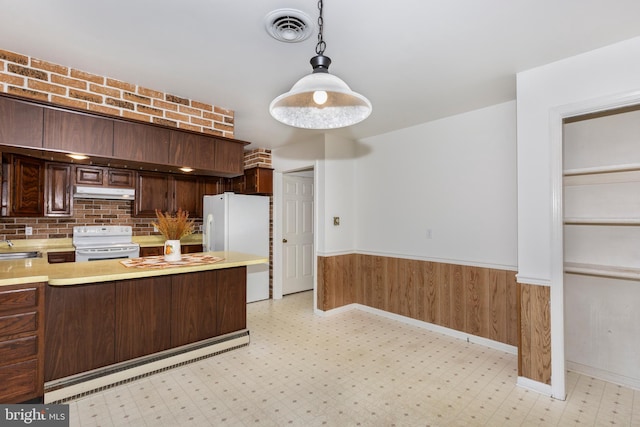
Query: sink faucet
{"points": [[9, 242]]}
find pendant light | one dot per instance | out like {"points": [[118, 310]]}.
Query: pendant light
{"points": [[320, 100]]}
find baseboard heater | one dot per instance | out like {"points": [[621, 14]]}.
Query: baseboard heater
{"points": [[76, 386]]}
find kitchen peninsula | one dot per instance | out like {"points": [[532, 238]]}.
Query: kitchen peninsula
{"points": [[90, 324]]}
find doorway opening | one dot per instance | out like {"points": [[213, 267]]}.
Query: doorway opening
{"points": [[297, 223]]}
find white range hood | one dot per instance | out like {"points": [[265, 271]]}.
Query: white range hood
{"points": [[88, 192]]}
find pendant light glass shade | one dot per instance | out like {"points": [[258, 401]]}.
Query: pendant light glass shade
{"points": [[303, 105], [320, 100]]}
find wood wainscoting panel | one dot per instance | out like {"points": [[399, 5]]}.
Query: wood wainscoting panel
{"points": [[475, 300], [534, 345], [336, 284]]}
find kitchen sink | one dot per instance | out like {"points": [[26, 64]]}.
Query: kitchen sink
{"points": [[20, 255]]}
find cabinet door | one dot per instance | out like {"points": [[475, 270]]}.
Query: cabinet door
{"points": [[195, 151], [193, 311], [79, 334], [151, 194], [187, 195], [77, 133], [231, 311], [228, 157], [58, 198], [21, 123], [258, 181], [212, 185], [141, 143], [27, 187], [143, 316]]}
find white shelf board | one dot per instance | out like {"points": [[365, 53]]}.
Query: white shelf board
{"points": [[632, 273], [602, 169], [602, 221]]}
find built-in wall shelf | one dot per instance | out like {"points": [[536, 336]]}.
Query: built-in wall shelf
{"points": [[601, 244], [615, 272]]}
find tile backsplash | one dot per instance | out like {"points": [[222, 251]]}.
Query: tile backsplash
{"points": [[85, 212]]}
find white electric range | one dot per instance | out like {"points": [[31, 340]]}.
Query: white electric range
{"points": [[104, 242]]}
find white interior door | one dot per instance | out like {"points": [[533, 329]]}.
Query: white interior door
{"points": [[297, 235]]}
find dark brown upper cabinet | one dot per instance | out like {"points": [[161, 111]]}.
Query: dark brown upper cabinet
{"points": [[191, 150], [57, 193], [167, 193], [228, 158], [77, 133], [258, 180], [187, 195], [152, 192], [23, 186], [140, 142], [21, 123], [104, 176]]}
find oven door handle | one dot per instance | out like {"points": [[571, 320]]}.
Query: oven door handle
{"points": [[103, 251]]}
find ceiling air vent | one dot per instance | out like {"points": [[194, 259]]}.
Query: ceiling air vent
{"points": [[288, 25]]}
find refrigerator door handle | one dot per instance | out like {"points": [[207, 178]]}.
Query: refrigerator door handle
{"points": [[208, 233]]}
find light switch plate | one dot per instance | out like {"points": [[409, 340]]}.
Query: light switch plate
{"points": [[336, 220]]}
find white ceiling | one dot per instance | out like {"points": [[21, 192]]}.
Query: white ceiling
{"points": [[416, 60]]}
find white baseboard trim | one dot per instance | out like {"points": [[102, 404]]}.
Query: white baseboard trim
{"points": [[496, 345], [59, 392], [604, 375]]}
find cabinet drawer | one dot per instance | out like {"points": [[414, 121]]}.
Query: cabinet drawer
{"points": [[19, 349], [19, 382], [59, 257], [18, 298], [18, 323], [89, 175]]}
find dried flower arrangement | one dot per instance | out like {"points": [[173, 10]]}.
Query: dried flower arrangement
{"points": [[174, 227]]}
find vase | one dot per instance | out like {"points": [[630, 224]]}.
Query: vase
{"points": [[172, 250]]}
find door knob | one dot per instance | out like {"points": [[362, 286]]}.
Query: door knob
{"points": [[284, 240]]}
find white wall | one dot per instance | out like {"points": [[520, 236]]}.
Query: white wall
{"points": [[338, 196], [599, 79], [455, 176]]}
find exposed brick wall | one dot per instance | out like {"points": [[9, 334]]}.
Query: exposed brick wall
{"points": [[257, 157], [85, 212], [37, 79]]}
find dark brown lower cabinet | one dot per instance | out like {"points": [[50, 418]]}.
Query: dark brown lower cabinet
{"points": [[79, 326], [92, 326], [21, 342], [232, 287], [213, 305], [194, 300], [143, 317]]}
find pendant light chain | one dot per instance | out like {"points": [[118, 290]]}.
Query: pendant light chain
{"points": [[320, 47]]}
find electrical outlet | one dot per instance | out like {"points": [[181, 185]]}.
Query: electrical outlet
{"points": [[28, 231], [155, 229]]}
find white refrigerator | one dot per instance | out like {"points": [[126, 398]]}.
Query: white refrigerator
{"points": [[240, 223]]}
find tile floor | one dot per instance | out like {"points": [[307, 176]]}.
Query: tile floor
{"points": [[350, 369]]}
